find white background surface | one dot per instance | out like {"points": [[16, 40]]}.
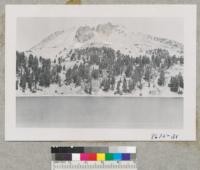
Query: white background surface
{"points": [[188, 132], [151, 155]]}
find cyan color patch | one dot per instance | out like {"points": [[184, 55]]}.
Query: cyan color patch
{"points": [[117, 156]]}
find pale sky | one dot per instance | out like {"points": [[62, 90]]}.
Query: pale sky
{"points": [[30, 31]]}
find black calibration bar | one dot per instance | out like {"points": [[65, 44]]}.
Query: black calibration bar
{"points": [[67, 149], [79, 149]]}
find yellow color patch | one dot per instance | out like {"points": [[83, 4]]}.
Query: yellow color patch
{"points": [[100, 156]]}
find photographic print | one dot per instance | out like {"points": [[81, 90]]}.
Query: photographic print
{"points": [[96, 72], [100, 57]]}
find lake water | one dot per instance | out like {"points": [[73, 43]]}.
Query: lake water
{"points": [[99, 112]]}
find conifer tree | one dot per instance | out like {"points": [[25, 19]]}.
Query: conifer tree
{"points": [[161, 79], [118, 86], [124, 86]]}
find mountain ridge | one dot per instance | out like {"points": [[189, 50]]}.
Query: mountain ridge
{"points": [[109, 35]]}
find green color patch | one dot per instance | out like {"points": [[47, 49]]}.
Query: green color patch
{"points": [[109, 156]]}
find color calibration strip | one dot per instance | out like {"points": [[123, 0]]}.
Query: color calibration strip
{"points": [[93, 153], [93, 158]]}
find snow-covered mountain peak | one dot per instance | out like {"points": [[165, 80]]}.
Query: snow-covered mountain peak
{"points": [[117, 37]]}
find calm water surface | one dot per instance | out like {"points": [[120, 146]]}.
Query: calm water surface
{"points": [[99, 112]]}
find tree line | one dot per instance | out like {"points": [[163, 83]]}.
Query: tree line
{"points": [[35, 72], [115, 64], [98, 63]]}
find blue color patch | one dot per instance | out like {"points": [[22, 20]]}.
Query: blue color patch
{"points": [[117, 156], [126, 156]]}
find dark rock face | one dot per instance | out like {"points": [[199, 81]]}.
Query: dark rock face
{"points": [[105, 28], [84, 33]]}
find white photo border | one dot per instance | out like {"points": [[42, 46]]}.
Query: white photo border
{"points": [[187, 12]]}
